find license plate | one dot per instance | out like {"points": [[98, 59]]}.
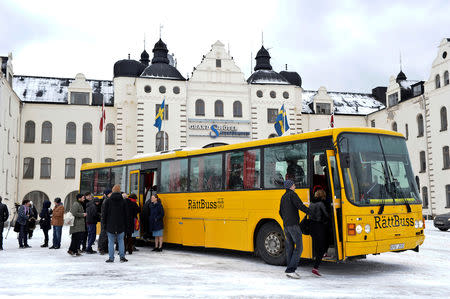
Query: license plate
{"points": [[397, 246]]}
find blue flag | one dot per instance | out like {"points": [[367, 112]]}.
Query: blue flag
{"points": [[160, 116], [281, 123]]}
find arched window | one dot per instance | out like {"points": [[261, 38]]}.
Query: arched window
{"points": [[70, 199], [437, 81], [37, 197], [444, 123], [218, 108], [273, 135], [447, 193], [29, 131], [70, 168], [46, 168], [425, 197], [71, 133], [28, 168], [87, 133], [110, 134], [199, 108], [109, 160], [446, 156], [419, 125], [46, 136], [446, 79], [394, 126], [406, 131], [86, 160], [237, 109], [162, 141], [418, 183], [423, 164]]}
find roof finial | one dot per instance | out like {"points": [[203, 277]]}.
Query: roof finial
{"points": [[262, 38], [160, 29], [144, 41], [400, 61], [128, 56]]}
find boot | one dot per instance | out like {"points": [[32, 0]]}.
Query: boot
{"points": [[44, 245]]}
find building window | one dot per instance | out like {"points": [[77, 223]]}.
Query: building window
{"points": [[46, 168], [79, 98], [87, 133], [162, 141], [423, 164], [286, 95], [437, 81], [418, 183], [447, 192], [444, 122], [273, 135], [147, 89], [28, 168], [446, 79], [237, 109], [46, 136], [406, 131], [162, 89], [394, 126], [29, 131], [272, 115], [110, 134], [176, 90], [323, 108], [417, 90], [70, 168], [446, 156], [166, 111], [273, 94], [372, 123], [199, 108], [218, 63], [259, 94], [419, 125], [71, 133], [393, 99], [109, 160], [425, 197], [218, 108], [86, 160]]}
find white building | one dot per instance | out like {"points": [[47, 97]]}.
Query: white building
{"points": [[216, 105]]}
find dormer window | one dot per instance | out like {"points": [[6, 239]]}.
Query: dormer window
{"points": [[218, 63], [323, 108], [417, 90], [79, 98], [393, 99]]}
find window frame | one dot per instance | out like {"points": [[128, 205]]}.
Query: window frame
{"points": [[87, 126], [166, 111], [219, 108], [422, 162], [49, 132], [68, 175], [75, 94], [199, 107], [30, 132], [444, 119], [110, 140], [437, 81], [446, 157], [49, 165], [269, 111], [420, 125], [68, 137], [237, 109], [30, 165]]}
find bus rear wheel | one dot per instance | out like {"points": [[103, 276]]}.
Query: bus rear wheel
{"points": [[270, 244]]}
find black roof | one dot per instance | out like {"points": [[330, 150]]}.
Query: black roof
{"points": [[128, 68], [400, 77], [145, 58], [160, 67], [263, 70], [292, 77]]}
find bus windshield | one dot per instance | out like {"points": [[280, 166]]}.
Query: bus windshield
{"points": [[376, 169]]}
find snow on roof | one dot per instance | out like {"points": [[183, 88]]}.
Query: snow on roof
{"points": [[345, 102], [406, 84], [47, 89]]}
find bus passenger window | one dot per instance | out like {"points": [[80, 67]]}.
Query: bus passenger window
{"points": [[206, 173], [242, 170], [174, 175]]}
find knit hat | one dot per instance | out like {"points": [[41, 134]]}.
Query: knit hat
{"points": [[288, 184], [79, 196], [107, 191]]}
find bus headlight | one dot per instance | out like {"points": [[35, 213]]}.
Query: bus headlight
{"points": [[359, 229], [420, 223], [416, 224], [367, 228]]}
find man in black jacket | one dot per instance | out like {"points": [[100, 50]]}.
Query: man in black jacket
{"points": [[4, 215], [92, 217], [114, 221], [289, 205]]}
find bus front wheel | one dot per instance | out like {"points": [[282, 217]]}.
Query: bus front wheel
{"points": [[270, 244]]}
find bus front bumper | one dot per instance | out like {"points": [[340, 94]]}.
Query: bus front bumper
{"points": [[374, 247]]}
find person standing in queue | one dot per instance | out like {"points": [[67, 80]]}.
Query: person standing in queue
{"points": [[4, 215], [31, 225], [132, 223], [156, 221], [45, 221], [114, 220], [103, 237], [57, 222], [289, 205], [78, 227], [319, 228], [22, 219], [92, 217]]}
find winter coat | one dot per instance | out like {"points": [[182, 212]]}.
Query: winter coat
{"points": [[156, 216], [58, 215], [93, 215], [289, 205], [144, 220], [114, 214], [4, 213], [23, 215], [132, 211], [45, 216], [318, 211], [79, 225]]}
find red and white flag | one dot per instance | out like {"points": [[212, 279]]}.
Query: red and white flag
{"points": [[332, 120], [102, 118]]}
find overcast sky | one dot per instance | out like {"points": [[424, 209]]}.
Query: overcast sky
{"points": [[342, 45]]}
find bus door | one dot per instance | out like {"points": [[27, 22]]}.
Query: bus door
{"points": [[335, 188]]}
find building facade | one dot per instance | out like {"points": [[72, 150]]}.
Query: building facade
{"points": [[58, 122]]}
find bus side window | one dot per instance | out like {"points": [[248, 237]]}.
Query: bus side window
{"points": [[242, 170], [206, 173]]}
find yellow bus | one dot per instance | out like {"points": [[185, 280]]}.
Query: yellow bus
{"points": [[228, 196]]}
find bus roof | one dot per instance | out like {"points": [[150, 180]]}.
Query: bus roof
{"points": [[178, 153]]}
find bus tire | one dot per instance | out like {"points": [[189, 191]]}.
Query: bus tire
{"points": [[270, 244]]}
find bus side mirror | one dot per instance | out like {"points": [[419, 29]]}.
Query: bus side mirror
{"points": [[345, 160]]}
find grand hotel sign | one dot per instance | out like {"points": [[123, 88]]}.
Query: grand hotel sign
{"points": [[218, 128]]}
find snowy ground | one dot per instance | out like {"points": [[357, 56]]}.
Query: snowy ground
{"points": [[187, 272]]}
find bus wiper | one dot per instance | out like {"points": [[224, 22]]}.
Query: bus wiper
{"points": [[394, 186]]}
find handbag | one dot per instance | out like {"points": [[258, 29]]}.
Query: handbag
{"points": [[305, 225], [17, 227], [69, 219]]}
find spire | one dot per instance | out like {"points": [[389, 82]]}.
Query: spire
{"points": [[160, 53], [263, 60]]}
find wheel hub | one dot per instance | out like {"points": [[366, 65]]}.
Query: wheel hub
{"points": [[272, 243]]}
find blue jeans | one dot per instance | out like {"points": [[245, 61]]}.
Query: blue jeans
{"points": [[111, 240], [57, 230], [23, 234], [293, 237], [92, 234]]}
